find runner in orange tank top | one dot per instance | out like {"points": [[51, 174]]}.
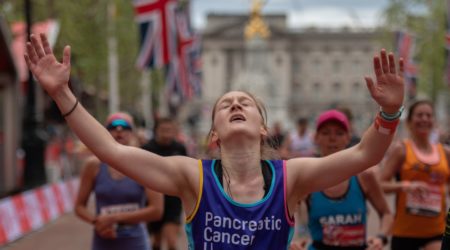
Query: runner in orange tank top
{"points": [[421, 170]]}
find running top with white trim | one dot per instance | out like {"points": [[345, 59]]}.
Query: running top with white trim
{"points": [[338, 221], [219, 222]]}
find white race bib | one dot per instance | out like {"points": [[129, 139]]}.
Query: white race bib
{"points": [[427, 204], [119, 208]]}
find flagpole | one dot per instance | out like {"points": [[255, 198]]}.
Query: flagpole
{"points": [[113, 62], [146, 98]]}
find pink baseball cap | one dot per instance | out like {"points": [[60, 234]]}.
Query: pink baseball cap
{"points": [[121, 119], [332, 115]]}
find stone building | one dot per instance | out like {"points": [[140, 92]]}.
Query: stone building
{"points": [[308, 70]]}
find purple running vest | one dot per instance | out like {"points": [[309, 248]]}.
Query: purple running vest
{"points": [[119, 195], [221, 223]]}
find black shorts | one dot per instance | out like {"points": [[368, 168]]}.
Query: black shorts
{"points": [[402, 243], [171, 214]]}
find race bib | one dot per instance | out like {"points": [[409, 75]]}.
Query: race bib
{"points": [[427, 204], [119, 208], [344, 235]]}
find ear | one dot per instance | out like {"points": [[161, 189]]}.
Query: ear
{"points": [[214, 137], [263, 131]]}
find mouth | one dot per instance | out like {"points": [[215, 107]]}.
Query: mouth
{"points": [[423, 126], [237, 118]]}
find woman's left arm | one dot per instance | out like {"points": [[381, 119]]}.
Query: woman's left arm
{"points": [[307, 175], [375, 195]]}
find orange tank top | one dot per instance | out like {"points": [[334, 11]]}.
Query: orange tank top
{"points": [[422, 215]]}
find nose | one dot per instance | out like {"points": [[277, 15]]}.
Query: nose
{"points": [[235, 105], [332, 137]]}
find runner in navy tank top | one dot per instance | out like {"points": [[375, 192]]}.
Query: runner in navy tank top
{"points": [[114, 196], [120, 202], [239, 130]]}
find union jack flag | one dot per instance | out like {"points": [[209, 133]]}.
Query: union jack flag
{"points": [[157, 27], [184, 74], [405, 49]]}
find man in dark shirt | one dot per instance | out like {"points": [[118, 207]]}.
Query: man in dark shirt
{"points": [[164, 143]]}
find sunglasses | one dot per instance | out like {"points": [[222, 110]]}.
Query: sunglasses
{"points": [[114, 125]]}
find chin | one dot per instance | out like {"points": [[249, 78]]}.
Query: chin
{"points": [[423, 133], [241, 134]]}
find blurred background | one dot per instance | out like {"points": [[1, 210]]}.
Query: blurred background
{"points": [[175, 58]]}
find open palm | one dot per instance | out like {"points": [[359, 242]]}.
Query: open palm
{"points": [[51, 74], [388, 91]]}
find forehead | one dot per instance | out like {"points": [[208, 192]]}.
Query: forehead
{"points": [[234, 94], [423, 107], [332, 125], [166, 125]]}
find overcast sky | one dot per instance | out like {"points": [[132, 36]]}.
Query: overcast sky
{"points": [[301, 13]]}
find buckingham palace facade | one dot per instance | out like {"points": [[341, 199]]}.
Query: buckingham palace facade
{"points": [[309, 70]]}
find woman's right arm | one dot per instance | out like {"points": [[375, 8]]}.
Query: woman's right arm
{"points": [[87, 180], [169, 175], [390, 167]]}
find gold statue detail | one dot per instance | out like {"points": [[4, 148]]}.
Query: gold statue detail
{"points": [[256, 26]]}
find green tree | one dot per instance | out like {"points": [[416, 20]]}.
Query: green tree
{"points": [[427, 21], [83, 25]]}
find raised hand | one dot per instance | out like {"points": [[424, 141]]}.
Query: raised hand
{"points": [[51, 74], [388, 91]]}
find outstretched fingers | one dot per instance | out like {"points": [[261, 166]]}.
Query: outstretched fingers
{"points": [[31, 54], [385, 64], [45, 44], [37, 46], [370, 85], [391, 63], [384, 61], [66, 56], [377, 67]]}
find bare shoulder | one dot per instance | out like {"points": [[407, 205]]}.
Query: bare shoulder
{"points": [[369, 181], [185, 161], [299, 164], [298, 171], [368, 174], [395, 155], [91, 166], [368, 177], [189, 166], [397, 149]]}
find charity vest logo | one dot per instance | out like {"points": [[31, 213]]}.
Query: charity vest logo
{"points": [[223, 230], [343, 230]]}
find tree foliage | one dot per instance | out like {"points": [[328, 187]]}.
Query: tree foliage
{"points": [[426, 20], [83, 26]]}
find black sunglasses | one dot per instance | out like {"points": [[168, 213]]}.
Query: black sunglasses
{"points": [[111, 127]]}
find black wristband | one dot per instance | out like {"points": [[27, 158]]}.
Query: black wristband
{"points": [[383, 239], [71, 110]]}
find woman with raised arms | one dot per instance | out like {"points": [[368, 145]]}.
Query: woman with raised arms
{"points": [[243, 200]]}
